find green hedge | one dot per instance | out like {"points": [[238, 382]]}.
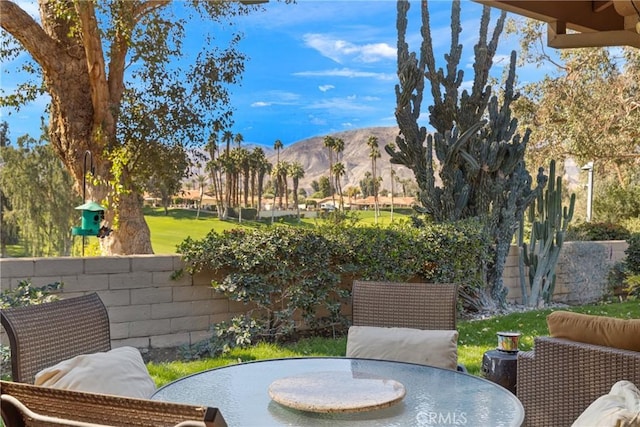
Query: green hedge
{"points": [[597, 231], [284, 270]]}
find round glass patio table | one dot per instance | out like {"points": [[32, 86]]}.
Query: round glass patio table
{"points": [[434, 396]]}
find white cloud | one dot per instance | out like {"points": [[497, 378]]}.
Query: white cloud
{"points": [[338, 104], [276, 97], [325, 88], [345, 72], [317, 120], [341, 51]]}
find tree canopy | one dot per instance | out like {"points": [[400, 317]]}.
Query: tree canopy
{"points": [[36, 197], [587, 106], [123, 87]]}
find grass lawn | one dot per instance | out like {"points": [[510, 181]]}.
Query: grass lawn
{"points": [[167, 231], [476, 337]]}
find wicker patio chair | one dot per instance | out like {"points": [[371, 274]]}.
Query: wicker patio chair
{"points": [[42, 335], [428, 306], [25, 405], [560, 378], [404, 305]]}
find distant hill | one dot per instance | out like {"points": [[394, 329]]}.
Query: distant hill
{"points": [[314, 157]]}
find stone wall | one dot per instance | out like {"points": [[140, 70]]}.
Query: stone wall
{"points": [[581, 274], [148, 308]]}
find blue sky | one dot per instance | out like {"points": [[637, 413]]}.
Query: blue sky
{"points": [[318, 67]]}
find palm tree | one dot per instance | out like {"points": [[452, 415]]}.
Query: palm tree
{"points": [[352, 193], [338, 172], [215, 172], [330, 143], [283, 172], [245, 167], [238, 139], [262, 169], [201, 181], [393, 176], [227, 137], [374, 155], [277, 145], [296, 171], [254, 160]]}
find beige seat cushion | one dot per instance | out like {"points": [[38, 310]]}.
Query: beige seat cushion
{"points": [[622, 334], [120, 371], [426, 347], [619, 408]]}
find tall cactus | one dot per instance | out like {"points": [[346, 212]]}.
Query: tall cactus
{"points": [[549, 221], [475, 148]]}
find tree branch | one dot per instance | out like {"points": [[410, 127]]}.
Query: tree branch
{"points": [[147, 7], [30, 34], [95, 60]]}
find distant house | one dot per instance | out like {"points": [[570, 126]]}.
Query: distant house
{"points": [[327, 203], [383, 202]]}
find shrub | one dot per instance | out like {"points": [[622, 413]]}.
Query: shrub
{"points": [[286, 272], [631, 224], [27, 294], [594, 231], [282, 271], [616, 278], [633, 254], [614, 203], [633, 285]]}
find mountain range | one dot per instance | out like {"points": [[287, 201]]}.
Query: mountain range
{"points": [[314, 157]]}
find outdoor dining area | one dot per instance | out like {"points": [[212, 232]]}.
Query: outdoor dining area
{"points": [[400, 369]]}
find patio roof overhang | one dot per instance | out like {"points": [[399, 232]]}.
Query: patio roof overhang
{"points": [[592, 23]]}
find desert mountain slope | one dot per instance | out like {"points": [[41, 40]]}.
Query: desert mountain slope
{"points": [[314, 157]]}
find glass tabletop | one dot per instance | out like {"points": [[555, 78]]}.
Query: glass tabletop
{"points": [[434, 396]]}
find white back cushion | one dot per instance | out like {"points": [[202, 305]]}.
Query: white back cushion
{"points": [[426, 347], [120, 371]]}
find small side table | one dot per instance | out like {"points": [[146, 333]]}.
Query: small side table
{"points": [[500, 367]]}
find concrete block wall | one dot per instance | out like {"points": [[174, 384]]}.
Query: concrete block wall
{"points": [[581, 274], [149, 309]]}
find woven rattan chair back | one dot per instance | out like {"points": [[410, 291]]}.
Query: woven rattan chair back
{"points": [[25, 405], [42, 335], [404, 305]]}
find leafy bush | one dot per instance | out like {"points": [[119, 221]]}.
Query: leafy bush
{"points": [[633, 254], [299, 278], [281, 271], [594, 231], [615, 279], [27, 294], [614, 203], [631, 224], [633, 285], [624, 277]]}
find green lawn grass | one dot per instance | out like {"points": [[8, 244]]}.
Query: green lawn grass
{"points": [[475, 338], [167, 231]]}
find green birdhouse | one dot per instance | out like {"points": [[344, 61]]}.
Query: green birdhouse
{"points": [[92, 216]]}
